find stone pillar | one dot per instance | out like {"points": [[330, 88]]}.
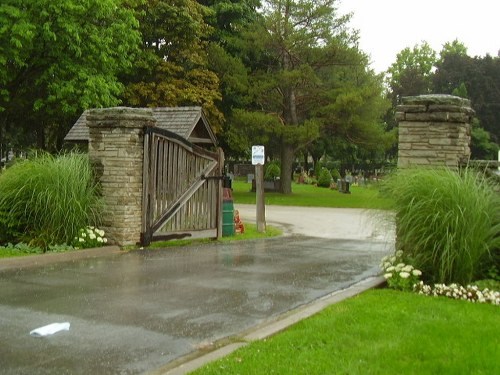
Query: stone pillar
{"points": [[434, 130], [116, 146]]}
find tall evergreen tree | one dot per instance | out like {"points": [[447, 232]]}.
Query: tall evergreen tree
{"points": [[298, 39]]}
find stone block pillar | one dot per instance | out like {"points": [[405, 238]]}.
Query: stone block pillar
{"points": [[116, 146], [434, 130]]}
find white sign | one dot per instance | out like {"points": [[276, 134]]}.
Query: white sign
{"points": [[257, 155]]}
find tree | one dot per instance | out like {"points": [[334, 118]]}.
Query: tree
{"points": [[230, 57], [298, 39], [172, 69], [229, 19], [452, 70], [412, 72], [58, 58], [351, 110], [482, 148], [454, 48], [454, 73], [476, 78]]}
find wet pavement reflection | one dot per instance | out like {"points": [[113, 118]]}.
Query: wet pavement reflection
{"points": [[134, 312]]}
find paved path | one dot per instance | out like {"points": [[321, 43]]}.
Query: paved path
{"points": [[140, 312], [337, 223]]}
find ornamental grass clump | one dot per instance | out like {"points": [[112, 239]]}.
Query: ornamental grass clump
{"points": [[448, 222], [46, 200]]}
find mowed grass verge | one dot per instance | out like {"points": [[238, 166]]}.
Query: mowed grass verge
{"points": [[313, 196], [381, 331]]}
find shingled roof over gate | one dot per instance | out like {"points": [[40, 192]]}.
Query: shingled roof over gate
{"points": [[187, 122]]}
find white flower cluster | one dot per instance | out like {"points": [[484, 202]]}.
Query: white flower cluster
{"points": [[90, 237], [398, 274], [469, 293]]}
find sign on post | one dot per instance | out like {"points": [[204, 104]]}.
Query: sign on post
{"points": [[258, 155], [258, 159]]}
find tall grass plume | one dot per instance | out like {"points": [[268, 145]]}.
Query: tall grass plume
{"points": [[46, 200], [448, 222]]}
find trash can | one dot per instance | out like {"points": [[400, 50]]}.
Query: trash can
{"points": [[227, 213]]}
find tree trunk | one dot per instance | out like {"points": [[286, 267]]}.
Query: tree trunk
{"points": [[289, 115], [287, 153], [287, 148]]}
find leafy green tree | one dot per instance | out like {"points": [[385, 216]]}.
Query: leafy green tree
{"points": [[58, 58], [460, 91], [418, 72], [452, 70], [412, 72], [230, 57], [484, 93], [172, 69], [229, 19], [455, 48], [476, 78], [482, 147]]}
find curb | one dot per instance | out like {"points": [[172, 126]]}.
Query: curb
{"points": [[198, 359], [37, 260]]}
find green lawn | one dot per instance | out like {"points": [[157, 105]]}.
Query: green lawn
{"points": [[379, 332], [249, 234], [313, 196]]}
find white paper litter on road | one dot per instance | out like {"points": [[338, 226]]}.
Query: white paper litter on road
{"points": [[50, 329]]}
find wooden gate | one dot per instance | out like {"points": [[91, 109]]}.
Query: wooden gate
{"points": [[182, 187]]}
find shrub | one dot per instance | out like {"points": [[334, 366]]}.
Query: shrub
{"points": [[447, 222], [89, 237], [45, 200], [273, 171], [399, 276], [317, 168], [335, 174], [324, 178], [471, 293]]}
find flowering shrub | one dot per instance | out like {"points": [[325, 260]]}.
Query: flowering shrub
{"points": [[470, 293], [89, 237], [405, 277], [399, 275]]}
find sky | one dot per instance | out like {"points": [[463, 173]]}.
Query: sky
{"points": [[388, 26]]}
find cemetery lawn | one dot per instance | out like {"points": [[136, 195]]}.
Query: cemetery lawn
{"points": [[313, 196], [380, 331], [250, 233]]}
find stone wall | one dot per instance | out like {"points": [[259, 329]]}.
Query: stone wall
{"points": [[434, 130], [116, 146]]}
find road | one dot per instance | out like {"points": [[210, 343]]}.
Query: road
{"points": [[136, 312]]}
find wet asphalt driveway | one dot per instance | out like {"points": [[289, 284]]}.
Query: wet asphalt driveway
{"points": [[132, 313]]}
